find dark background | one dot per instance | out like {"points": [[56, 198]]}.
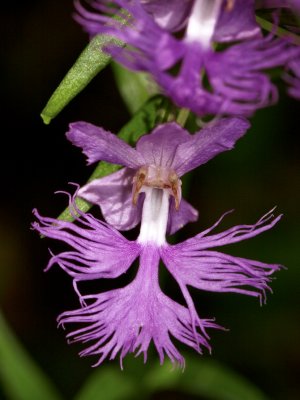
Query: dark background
{"points": [[40, 41]]}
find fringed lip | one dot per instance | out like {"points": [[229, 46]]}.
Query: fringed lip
{"points": [[128, 319]]}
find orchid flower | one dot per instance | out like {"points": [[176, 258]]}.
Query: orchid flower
{"points": [[128, 319], [159, 160], [206, 55]]}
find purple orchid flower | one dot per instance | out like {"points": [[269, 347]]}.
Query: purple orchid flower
{"points": [[126, 320], [159, 160], [229, 79]]}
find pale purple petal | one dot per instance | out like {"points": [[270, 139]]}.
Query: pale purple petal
{"points": [[100, 145], [238, 23], [218, 272], [126, 320], [232, 81], [233, 235], [193, 263], [113, 194], [208, 142], [171, 16], [238, 83], [178, 218], [98, 250], [160, 147]]}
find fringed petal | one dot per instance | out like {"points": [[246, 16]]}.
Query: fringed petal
{"points": [[98, 250], [127, 320], [193, 263], [233, 235]]}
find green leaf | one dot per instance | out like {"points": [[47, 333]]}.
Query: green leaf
{"points": [[278, 30], [134, 87], [22, 379], [90, 62], [155, 110], [202, 377], [110, 384]]}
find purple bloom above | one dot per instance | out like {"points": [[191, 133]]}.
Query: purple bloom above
{"points": [[126, 320], [215, 66], [159, 160]]}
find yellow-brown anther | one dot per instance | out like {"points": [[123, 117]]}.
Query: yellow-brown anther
{"points": [[175, 188], [138, 182], [229, 5], [157, 177]]}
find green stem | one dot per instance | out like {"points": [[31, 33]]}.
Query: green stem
{"points": [[182, 116], [277, 30], [90, 62]]}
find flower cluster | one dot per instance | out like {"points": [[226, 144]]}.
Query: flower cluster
{"points": [[148, 190], [208, 56]]}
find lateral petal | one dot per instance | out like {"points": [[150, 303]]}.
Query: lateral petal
{"points": [[207, 143], [100, 145], [113, 194]]}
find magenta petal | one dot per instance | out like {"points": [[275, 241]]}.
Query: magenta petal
{"points": [[126, 320], [170, 16], [217, 272], [159, 148], [233, 235], [177, 219], [193, 263], [208, 142], [98, 144], [237, 79], [113, 194], [237, 74], [239, 23], [98, 251]]}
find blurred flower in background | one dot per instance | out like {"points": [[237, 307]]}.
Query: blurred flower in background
{"points": [[216, 66]]}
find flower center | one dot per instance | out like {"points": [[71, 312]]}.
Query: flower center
{"points": [[202, 21], [157, 177], [154, 217]]}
